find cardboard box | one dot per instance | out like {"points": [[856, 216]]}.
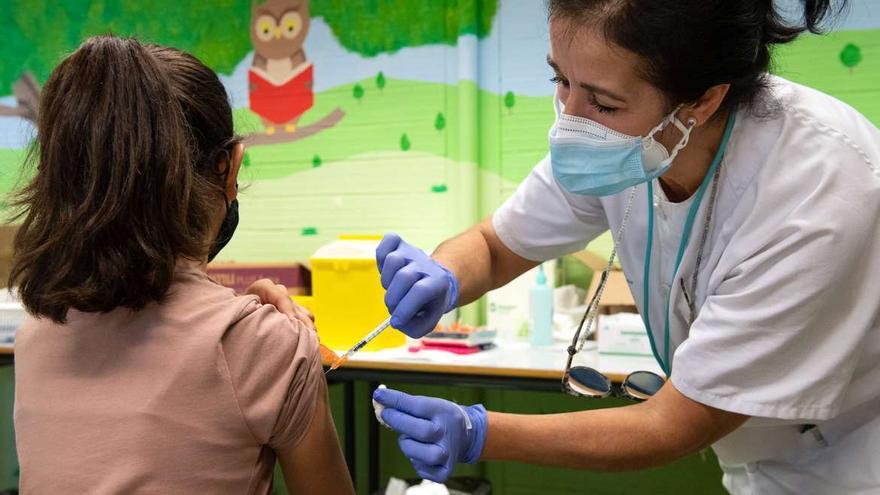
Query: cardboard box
{"points": [[622, 340], [617, 297], [239, 276]]}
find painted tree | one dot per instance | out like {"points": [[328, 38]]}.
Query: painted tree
{"points": [[851, 56], [509, 101], [371, 27], [316, 161], [221, 42], [358, 92], [365, 27], [440, 122], [380, 81], [246, 160], [405, 145]]}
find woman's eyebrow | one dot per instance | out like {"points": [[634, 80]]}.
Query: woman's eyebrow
{"points": [[589, 87], [602, 91]]}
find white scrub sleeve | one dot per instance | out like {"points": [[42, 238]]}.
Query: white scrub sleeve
{"points": [[541, 221]]}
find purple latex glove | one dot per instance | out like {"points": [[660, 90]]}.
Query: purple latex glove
{"points": [[418, 290], [435, 434]]}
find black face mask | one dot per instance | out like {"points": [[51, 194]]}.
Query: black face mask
{"points": [[227, 229]]}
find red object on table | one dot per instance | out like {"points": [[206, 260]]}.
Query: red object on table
{"points": [[455, 349]]}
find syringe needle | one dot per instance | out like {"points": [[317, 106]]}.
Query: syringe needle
{"points": [[364, 341]]}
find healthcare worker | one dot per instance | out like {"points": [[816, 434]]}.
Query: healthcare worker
{"points": [[744, 210]]}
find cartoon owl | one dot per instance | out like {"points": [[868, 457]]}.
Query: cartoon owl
{"points": [[280, 78]]}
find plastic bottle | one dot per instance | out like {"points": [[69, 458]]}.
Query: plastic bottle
{"points": [[541, 310]]}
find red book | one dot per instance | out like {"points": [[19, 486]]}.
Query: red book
{"points": [[281, 101]]}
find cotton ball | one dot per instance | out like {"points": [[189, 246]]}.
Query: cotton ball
{"points": [[378, 408], [428, 488]]}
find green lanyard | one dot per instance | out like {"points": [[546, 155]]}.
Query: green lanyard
{"points": [[665, 363]]}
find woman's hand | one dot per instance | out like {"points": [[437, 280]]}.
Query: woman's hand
{"points": [[276, 294], [435, 434], [419, 290]]}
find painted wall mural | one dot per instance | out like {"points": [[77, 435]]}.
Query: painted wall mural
{"points": [[364, 116], [281, 78]]}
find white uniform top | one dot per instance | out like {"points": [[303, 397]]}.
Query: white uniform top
{"points": [[788, 295]]}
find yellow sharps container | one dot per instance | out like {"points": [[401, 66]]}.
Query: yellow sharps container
{"points": [[348, 298]]}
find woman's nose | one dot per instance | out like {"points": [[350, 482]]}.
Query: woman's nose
{"points": [[575, 105]]}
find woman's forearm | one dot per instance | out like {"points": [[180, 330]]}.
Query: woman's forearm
{"points": [[480, 261], [601, 440], [467, 256], [654, 433]]}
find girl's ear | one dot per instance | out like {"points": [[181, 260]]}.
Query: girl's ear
{"points": [[236, 156]]}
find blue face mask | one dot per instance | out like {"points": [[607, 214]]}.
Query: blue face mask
{"points": [[590, 159]]}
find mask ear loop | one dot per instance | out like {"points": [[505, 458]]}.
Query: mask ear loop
{"points": [[686, 134], [648, 141], [225, 175]]}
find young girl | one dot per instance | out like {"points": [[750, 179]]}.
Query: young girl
{"points": [[138, 373]]}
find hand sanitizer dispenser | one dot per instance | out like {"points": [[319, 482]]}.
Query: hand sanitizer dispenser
{"points": [[541, 310]]}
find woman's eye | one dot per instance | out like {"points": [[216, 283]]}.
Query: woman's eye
{"points": [[601, 108], [559, 80]]}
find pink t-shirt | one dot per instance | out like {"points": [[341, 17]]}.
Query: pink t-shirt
{"points": [[187, 396]]}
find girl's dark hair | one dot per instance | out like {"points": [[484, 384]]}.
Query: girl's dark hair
{"points": [[688, 46], [129, 138]]}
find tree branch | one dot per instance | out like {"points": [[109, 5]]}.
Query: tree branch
{"points": [[6, 111], [327, 122]]}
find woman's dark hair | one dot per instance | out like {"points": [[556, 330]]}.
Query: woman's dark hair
{"points": [[688, 46], [129, 138]]}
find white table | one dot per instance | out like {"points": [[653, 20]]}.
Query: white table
{"points": [[515, 360]]}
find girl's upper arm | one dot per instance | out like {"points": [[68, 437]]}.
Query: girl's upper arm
{"points": [[274, 366], [315, 464]]}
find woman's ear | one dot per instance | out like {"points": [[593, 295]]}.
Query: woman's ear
{"points": [[236, 156], [705, 107]]}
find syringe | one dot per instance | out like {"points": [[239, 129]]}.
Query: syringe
{"points": [[364, 341]]}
